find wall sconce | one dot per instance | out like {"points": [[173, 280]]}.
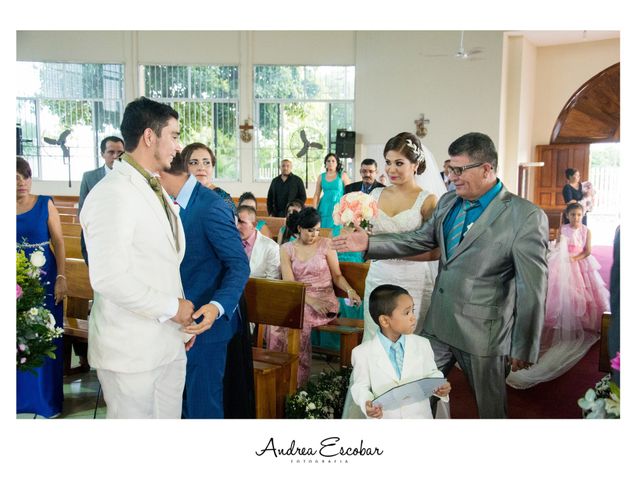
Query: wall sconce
{"points": [[245, 131], [421, 126]]}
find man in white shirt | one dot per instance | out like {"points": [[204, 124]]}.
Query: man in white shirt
{"points": [[263, 253]]}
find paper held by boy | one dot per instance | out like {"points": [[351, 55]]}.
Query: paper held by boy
{"points": [[408, 393]]}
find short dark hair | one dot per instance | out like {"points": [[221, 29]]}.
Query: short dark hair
{"points": [[143, 113], [408, 145], [112, 138], [573, 206], [478, 146], [178, 166], [338, 161], [246, 208], [308, 217], [570, 172], [247, 196], [192, 147], [383, 300], [23, 167], [369, 161]]}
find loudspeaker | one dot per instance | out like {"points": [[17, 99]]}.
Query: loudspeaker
{"points": [[345, 143], [18, 140]]}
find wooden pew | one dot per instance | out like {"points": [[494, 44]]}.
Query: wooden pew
{"points": [[72, 247], [68, 218], [65, 200], [273, 224], [279, 303], [349, 329], [326, 232], [71, 230], [67, 210], [604, 364], [76, 307]]}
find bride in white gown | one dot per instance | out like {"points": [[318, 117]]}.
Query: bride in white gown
{"points": [[403, 206]]}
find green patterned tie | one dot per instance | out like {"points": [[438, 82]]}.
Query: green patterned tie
{"points": [[153, 183]]}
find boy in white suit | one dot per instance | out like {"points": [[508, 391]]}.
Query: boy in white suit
{"points": [[394, 357]]}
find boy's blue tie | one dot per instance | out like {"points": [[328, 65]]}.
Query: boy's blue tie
{"points": [[398, 354], [455, 235]]}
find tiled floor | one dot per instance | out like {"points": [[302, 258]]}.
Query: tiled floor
{"points": [[81, 391]]}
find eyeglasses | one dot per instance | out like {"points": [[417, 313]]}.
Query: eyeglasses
{"points": [[195, 163], [457, 171]]}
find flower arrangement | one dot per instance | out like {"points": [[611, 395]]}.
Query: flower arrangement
{"points": [[322, 397], [588, 196], [35, 325], [355, 209], [603, 401]]}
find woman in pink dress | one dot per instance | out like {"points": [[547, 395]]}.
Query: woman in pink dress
{"points": [[576, 300], [311, 260]]}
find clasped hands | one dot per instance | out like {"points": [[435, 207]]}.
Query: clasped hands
{"points": [[186, 316]]}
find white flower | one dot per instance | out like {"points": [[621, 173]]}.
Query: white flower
{"points": [[311, 406], [52, 322], [33, 312], [347, 217], [37, 259]]}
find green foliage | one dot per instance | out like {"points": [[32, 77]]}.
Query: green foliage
{"points": [[605, 155], [35, 326], [322, 397]]}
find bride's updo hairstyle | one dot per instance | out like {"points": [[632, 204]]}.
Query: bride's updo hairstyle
{"points": [[308, 217], [408, 145]]}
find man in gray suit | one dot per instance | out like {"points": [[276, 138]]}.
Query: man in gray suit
{"points": [[487, 308], [110, 149]]}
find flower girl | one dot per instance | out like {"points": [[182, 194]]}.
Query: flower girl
{"points": [[576, 300]]}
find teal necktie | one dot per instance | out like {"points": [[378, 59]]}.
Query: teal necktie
{"points": [[456, 233], [398, 355]]}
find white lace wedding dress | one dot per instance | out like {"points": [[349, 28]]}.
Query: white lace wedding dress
{"points": [[416, 277]]}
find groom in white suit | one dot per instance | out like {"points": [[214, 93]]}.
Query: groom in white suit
{"points": [[139, 316]]}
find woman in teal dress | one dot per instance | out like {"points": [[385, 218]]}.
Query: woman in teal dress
{"points": [[329, 189]]}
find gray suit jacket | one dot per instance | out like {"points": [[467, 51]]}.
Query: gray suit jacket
{"points": [[489, 297], [89, 180]]}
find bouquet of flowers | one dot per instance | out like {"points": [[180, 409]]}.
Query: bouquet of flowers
{"points": [[603, 401], [35, 325], [322, 397], [588, 196], [355, 209]]}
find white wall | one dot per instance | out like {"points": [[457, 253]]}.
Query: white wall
{"points": [[515, 99], [397, 79]]}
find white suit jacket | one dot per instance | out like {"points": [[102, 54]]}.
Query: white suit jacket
{"points": [[134, 268], [373, 374], [265, 258]]}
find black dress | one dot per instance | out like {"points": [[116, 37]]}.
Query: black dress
{"points": [[569, 193]]}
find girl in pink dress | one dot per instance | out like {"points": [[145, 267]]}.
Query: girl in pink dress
{"points": [[576, 299], [311, 260]]}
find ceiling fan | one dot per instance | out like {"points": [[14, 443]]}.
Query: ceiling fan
{"points": [[66, 153], [462, 53], [301, 136]]}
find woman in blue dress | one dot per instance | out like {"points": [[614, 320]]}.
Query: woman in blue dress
{"points": [[38, 226]]}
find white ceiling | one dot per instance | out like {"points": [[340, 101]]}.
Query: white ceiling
{"points": [[543, 38]]}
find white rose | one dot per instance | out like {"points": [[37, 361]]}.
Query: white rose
{"points": [[37, 259], [347, 217], [367, 213]]}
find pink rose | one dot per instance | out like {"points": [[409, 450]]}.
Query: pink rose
{"points": [[18, 291], [22, 347], [615, 362], [23, 360]]}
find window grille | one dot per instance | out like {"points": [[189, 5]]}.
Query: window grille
{"points": [[289, 98], [206, 98], [53, 97]]}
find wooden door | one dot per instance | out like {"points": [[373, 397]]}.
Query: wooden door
{"points": [[550, 179]]}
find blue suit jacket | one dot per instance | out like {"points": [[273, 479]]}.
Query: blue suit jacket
{"points": [[215, 265]]}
